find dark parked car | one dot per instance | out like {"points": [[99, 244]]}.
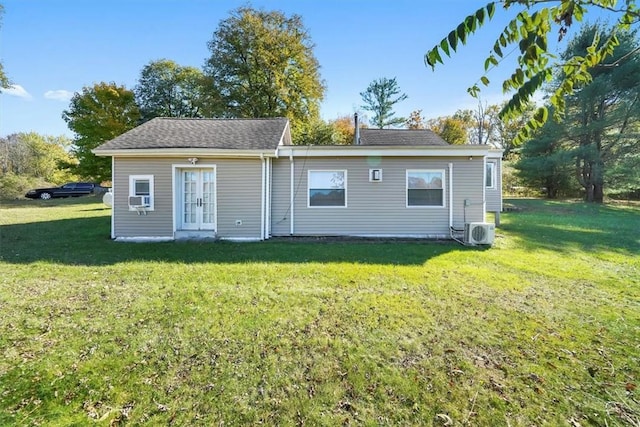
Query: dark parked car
{"points": [[73, 189]]}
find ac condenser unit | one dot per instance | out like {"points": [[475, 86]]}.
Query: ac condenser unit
{"points": [[139, 201], [479, 233]]}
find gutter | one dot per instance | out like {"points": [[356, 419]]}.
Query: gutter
{"points": [[183, 152], [383, 151]]}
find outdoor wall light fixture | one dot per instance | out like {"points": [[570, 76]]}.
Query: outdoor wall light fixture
{"points": [[193, 160]]}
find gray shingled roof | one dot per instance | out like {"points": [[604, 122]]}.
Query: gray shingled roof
{"points": [[164, 132], [403, 137]]}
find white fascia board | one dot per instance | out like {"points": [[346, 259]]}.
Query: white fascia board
{"points": [[387, 151], [182, 152], [495, 153]]}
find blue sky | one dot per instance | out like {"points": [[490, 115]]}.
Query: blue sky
{"points": [[53, 48]]}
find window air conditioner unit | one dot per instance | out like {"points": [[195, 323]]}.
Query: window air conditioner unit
{"points": [[479, 233], [375, 175], [139, 201]]}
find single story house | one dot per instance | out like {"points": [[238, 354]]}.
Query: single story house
{"points": [[243, 179]]}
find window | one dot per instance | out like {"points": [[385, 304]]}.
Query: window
{"points": [[490, 175], [327, 188], [425, 188], [142, 186]]}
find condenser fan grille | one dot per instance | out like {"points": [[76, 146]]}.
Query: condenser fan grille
{"points": [[479, 233]]}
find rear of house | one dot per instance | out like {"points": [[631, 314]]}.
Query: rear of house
{"points": [[242, 179]]}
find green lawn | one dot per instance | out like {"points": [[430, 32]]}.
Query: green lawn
{"points": [[541, 329]]}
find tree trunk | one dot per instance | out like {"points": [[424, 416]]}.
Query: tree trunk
{"points": [[598, 193], [589, 195]]}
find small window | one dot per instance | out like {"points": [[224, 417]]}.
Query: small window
{"points": [[490, 175], [425, 188], [142, 186], [327, 188]]}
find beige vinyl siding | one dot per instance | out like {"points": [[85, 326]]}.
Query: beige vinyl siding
{"points": [[238, 197], [494, 195], [156, 223], [239, 187], [468, 185], [376, 208], [281, 197]]}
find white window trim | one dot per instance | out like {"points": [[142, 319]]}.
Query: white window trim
{"points": [[309, 172], [132, 181], [444, 189], [493, 175]]}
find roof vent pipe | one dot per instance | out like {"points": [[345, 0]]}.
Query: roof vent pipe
{"points": [[356, 133]]}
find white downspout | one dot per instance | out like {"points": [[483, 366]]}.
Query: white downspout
{"points": [[451, 200], [292, 200], [484, 189], [262, 207], [268, 201], [113, 197]]}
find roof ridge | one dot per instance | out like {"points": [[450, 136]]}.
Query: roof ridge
{"points": [[220, 118], [376, 129]]}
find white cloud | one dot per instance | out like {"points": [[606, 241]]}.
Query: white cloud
{"points": [[58, 95], [17, 90]]}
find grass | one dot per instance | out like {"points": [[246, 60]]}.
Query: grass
{"points": [[541, 329]]}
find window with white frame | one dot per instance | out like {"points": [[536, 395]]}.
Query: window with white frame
{"points": [[327, 188], [141, 189], [425, 188], [490, 175]]}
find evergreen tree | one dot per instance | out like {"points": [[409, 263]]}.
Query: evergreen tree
{"points": [[379, 98]]}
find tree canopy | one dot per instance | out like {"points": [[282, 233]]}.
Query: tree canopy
{"points": [[415, 120], [529, 31], [40, 156], [379, 98], [4, 80], [262, 65], [166, 89], [451, 129], [97, 114], [599, 132]]}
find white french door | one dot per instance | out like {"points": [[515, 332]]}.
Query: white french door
{"points": [[197, 208]]}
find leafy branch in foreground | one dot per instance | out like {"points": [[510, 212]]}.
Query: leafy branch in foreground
{"points": [[529, 31]]}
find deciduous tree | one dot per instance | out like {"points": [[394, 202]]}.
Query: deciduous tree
{"points": [[380, 97], [451, 129], [166, 89], [97, 114], [4, 80], [415, 120], [344, 129], [262, 65], [40, 156]]}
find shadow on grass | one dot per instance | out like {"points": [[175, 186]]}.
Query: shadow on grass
{"points": [[563, 226], [86, 241]]}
